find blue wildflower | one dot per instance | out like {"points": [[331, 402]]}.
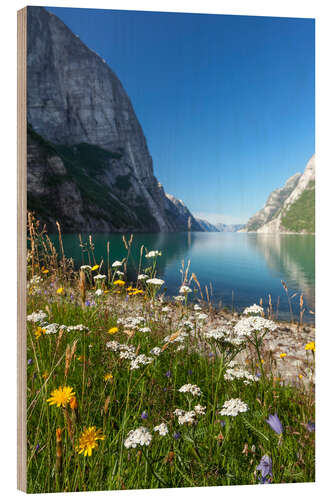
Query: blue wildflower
{"points": [[265, 467], [310, 426], [29, 361], [176, 435], [144, 415], [275, 424], [168, 374]]}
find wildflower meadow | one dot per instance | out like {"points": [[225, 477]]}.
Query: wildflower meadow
{"points": [[128, 388]]}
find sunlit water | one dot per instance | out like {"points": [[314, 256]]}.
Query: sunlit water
{"points": [[239, 268]]}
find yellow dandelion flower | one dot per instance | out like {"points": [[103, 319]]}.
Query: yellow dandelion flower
{"points": [[80, 358], [300, 376], [113, 330], [106, 291], [39, 332], [61, 396], [45, 375], [311, 346], [96, 266], [88, 440], [108, 377], [119, 282], [283, 355], [60, 290], [129, 288], [45, 271]]}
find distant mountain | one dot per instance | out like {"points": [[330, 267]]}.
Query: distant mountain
{"points": [[219, 227], [229, 228], [89, 166], [207, 226], [289, 209]]}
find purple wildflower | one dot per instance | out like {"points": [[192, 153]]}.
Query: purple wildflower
{"points": [[168, 374], [37, 446], [310, 426], [87, 303], [29, 361], [190, 372], [144, 415], [275, 424], [176, 435], [222, 423], [211, 354], [265, 467]]}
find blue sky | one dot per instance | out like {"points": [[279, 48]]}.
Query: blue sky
{"points": [[226, 102]]}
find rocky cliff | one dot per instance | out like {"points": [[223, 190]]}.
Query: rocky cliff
{"points": [[289, 209], [273, 205], [88, 162]]}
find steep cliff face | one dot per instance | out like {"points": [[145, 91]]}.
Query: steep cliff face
{"points": [[298, 211], [78, 108], [291, 208], [273, 205]]}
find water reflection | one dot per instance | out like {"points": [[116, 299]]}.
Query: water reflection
{"points": [[292, 257]]}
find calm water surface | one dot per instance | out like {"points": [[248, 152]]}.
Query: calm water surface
{"points": [[241, 267]]}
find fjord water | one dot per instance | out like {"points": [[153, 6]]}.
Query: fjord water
{"points": [[240, 268]]}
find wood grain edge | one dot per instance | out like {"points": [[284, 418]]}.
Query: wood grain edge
{"points": [[21, 247]]}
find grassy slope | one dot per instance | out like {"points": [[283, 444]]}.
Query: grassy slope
{"points": [[301, 215]]}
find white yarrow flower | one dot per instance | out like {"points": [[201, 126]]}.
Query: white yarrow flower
{"points": [[255, 309], [185, 289], [99, 277], [193, 389], [155, 281], [85, 268], [200, 410], [153, 253], [36, 317], [117, 263], [142, 277], [162, 429], [140, 436], [99, 292], [233, 407]]}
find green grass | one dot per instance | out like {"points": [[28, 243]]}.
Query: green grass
{"points": [[301, 215], [205, 454]]}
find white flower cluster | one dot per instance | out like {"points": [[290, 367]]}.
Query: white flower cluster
{"points": [[240, 373], [120, 273], [180, 338], [185, 289], [156, 351], [153, 253], [162, 429], [233, 407], [179, 298], [189, 417], [145, 329], [165, 309], [253, 310], [142, 277], [201, 316], [100, 277], [247, 326], [85, 268], [141, 359], [155, 281], [224, 335], [185, 417], [132, 322], [37, 317], [193, 389], [200, 410], [117, 263], [140, 436], [99, 292], [197, 307], [129, 352]]}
